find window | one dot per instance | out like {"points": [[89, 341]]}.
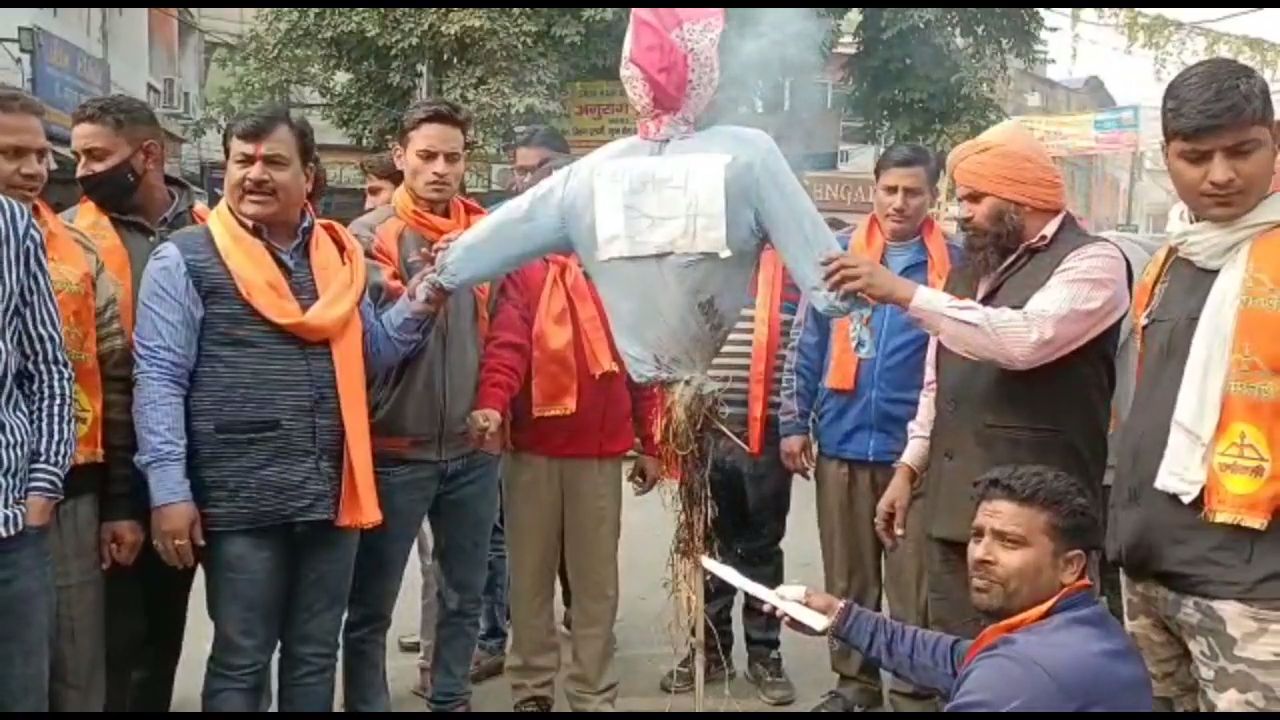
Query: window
{"points": [[153, 95]]}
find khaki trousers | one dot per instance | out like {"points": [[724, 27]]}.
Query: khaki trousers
{"points": [[574, 504], [856, 566]]}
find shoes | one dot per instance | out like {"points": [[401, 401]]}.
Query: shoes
{"points": [[680, 679], [836, 701], [486, 665], [409, 643], [771, 681], [534, 704]]}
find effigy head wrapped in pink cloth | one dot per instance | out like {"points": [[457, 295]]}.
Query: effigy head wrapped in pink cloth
{"points": [[669, 223]]}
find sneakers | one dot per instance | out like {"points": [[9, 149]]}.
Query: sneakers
{"points": [[771, 681], [533, 704], [680, 678], [486, 665], [836, 701]]}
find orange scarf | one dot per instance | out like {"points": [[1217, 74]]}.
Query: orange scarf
{"points": [[566, 309], [95, 223], [1021, 621], [770, 278], [462, 215], [337, 262], [869, 242], [73, 287], [1243, 486]]}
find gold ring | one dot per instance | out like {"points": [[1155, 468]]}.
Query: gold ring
{"points": [[179, 543]]}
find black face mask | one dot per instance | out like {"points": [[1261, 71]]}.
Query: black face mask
{"points": [[113, 189]]}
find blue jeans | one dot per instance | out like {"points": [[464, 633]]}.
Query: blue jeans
{"points": [[26, 608], [495, 618], [460, 499], [284, 584]]}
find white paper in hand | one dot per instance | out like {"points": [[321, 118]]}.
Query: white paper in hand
{"points": [[794, 610]]}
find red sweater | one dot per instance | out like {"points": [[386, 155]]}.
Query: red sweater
{"points": [[612, 409]]}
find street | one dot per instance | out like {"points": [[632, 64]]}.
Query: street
{"points": [[646, 647]]}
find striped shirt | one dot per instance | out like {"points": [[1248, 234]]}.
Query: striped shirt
{"points": [[731, 368], [37, 430]]}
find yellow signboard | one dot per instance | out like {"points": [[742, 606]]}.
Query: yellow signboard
{"points": [[1091, 133], [599, 113]]}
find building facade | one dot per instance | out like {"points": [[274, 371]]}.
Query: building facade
{"points": [[64, 55]]}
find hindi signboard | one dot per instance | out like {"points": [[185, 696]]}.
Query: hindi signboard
{"points": [[599, 113], [64, 75]]}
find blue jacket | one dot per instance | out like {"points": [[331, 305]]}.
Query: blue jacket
{"points": [[870, 423], [1078, 659]]}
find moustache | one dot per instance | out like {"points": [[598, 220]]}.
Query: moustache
{"points": [[972, 228]]}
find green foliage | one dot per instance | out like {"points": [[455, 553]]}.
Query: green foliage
{"points": [[1177, 44], [936, 75], [363, 66], [929, 74]]}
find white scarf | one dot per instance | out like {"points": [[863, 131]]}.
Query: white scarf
{"points": [[1221, 247]]}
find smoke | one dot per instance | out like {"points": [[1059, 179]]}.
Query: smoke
{"points": [[762, 48]]}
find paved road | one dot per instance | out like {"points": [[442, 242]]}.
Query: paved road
{"points": [[646, 647]]}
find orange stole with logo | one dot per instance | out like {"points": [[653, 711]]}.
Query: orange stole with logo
{"points": [[1243, 486], [73, 288]]}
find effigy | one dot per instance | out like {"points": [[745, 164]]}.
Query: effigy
{"points": [[669, 224]]}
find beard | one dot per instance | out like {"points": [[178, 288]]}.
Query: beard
{"points": [[986, 249]]}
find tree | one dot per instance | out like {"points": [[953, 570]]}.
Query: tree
{"points": [[1176, 43], [364, 66], [935, 75], [928, 74]]}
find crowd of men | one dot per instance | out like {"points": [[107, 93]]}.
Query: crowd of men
{"points": [[288, 404]]}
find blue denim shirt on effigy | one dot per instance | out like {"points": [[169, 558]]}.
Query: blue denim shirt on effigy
{"points": [[670, 313]]}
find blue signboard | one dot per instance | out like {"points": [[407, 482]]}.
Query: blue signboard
{"points": [[64, 76], [1121, 119]]}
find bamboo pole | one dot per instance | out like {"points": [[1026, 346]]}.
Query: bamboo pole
{"points": [[699, 641]]}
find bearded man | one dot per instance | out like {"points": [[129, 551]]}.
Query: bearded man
{"points": [[1021, 364]]}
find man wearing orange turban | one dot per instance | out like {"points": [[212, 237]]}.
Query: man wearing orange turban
{"points": [[1009, 163], [1021, 359]]}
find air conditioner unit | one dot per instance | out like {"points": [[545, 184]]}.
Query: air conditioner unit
{"points": [[170, 93]]}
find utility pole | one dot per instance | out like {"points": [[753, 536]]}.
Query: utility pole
{"points": [[102, 29], [1135, 167], [425, 79]]}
